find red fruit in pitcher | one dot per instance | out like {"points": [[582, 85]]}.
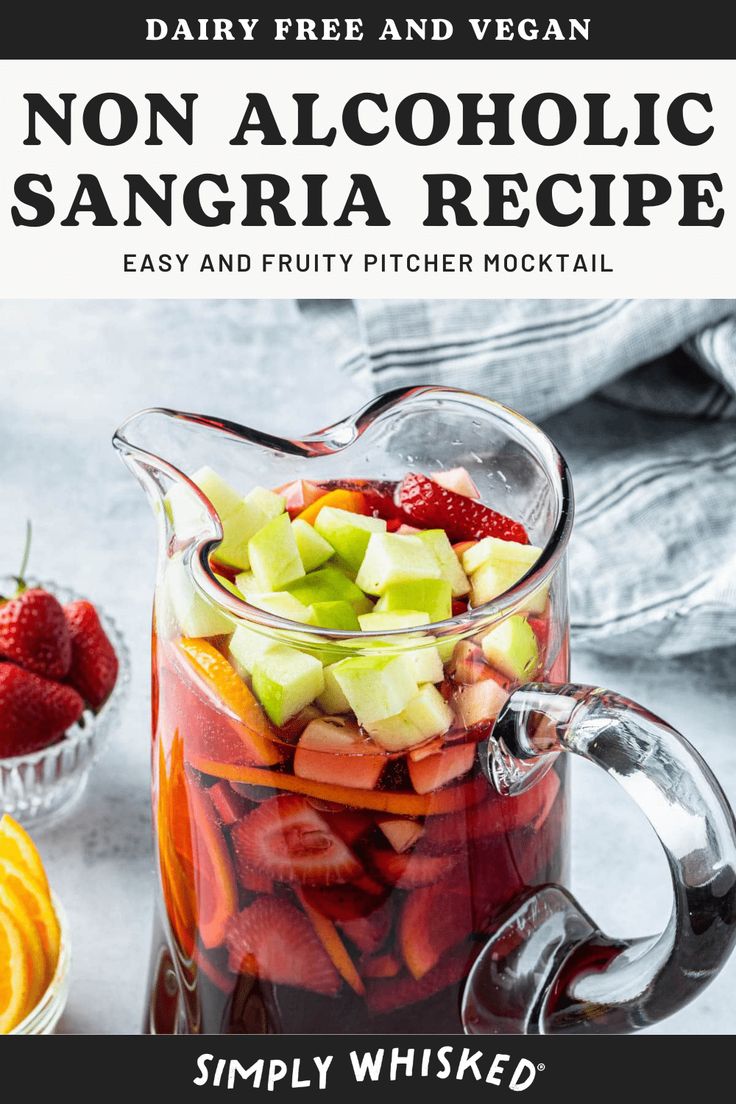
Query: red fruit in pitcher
{"points": [[387, 995], [408, 871], [341, 902], [273, 940], [368, 933], [428, 504], [432, 920], [34, 634], [34, 712], [94, 666], [287, 839]]}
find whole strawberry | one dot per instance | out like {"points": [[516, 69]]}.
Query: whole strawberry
{"points": [[34, 633], [94, 665], [34, 712]]}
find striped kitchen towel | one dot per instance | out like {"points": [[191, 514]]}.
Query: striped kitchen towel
{"points": [[641, 397]]}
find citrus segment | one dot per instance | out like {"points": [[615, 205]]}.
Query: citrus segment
{"points": [[14, 975], [38, 904], [17, 846]]}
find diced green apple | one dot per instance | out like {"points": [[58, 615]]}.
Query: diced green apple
{"points": [[376, 686], [347, 533], [479, 702], [393, 620], [494, 579], [511, 647], [501, 552], [266, 503], [274, 555], [282, 604], [334, 750], [313, 549], [285, 680], [391, 558], [247, 646], [334, 615], [450, 566], [425, 716], [431, 596], [418, 647], [247, 583], [185, 510], [332, 699], [228, 585], [194, 614], [329, 584]]}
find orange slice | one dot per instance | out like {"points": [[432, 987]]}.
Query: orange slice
{"points": [[385, 801], [38, 968], [17, 846], [14, 974], [223, 681], [35, 898], [354, 501], [329, 938]]}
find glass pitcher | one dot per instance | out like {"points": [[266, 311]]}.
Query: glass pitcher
{"points": [[313, 880]]}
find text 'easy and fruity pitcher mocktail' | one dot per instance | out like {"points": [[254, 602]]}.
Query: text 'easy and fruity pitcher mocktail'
{"points": [[331, 855]]}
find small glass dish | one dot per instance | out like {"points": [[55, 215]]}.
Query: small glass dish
{"points": [[38, 788], [42, 1019]]}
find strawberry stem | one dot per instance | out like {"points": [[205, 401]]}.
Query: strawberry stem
{"points": [[20, 578]]}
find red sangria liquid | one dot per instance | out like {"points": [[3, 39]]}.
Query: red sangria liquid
{"points": [[331, 856]]}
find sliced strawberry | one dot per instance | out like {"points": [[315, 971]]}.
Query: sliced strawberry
{"points": [[433, 919], [384, 996], [428, 504], [540, 625], [458, 480], [329, 937], [380, 966], [459, 605], [273, 940], [290, 841], [369, 933], [34, 633], [34, 712], [252, 881], [94, 665], [408, 871], [229, 805], [341, 902]]}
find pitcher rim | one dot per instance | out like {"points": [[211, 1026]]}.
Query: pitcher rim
{"points": [[333, 439]]}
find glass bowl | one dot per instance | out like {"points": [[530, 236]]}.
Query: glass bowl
{"points": [[43, 1019], [38, 788]]}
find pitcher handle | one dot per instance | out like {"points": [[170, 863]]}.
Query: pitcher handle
{"points": [[547, 968]]}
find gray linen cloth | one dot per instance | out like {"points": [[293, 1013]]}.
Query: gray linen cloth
{"points": [[653, 555]]}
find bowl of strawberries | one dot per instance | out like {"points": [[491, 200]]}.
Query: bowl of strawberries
{"points": [[63, 672]]}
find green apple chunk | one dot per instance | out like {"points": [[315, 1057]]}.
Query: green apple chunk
{"points": [[247, 646], [493, 579], [186, 511], [347, 533], [425, 716], [246, 583], [329, 584], [438, 541], [285, 680], [267, 503], [498, 551], [274, 555], [432, 596], [332, 699], [282, 604], [389, 621], [376, 686], [511, 648], [194, 614], [419, 648], [313, 549], [392, 558], [334, 615]]}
